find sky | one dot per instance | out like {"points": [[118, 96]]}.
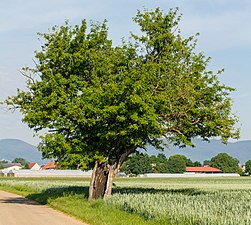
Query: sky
{"points": [[225, 36]]}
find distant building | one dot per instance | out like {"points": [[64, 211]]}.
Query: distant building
{"points": [[121, 174], [12, 166], [243, 169], [34, 166], [50, 166], [202, 169]]}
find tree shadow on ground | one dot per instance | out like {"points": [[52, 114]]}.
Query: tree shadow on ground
{"points": [[18, 200], [57, 192], [138, 190]]}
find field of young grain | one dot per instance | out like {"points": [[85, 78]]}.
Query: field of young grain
{"points": [[224, 201], [189, 201]]}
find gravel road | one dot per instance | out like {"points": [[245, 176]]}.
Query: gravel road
{"points": [[16, 210]]}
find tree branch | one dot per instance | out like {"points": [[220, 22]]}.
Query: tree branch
{"points": [[122, 158]]}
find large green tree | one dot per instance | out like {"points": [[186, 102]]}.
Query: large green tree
{"points": [[159, 163], [226, 163], [22, 161], [137, 164], [177, 163], [248, 167], [96, 102]]}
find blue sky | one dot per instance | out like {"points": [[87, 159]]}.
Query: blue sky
{"points": [[224, 27]]}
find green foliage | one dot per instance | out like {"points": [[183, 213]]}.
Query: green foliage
{"points": [[22, 161], [142, 163], [196, 163], [159, 163], [225, 163], [177, 163], [189, 162], [1, 165], [137, 164], [207, 162], [248, 167], [161, 157], [26, 165], [96, 101]]}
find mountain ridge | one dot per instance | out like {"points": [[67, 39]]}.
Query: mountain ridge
{"points": [[206, 150], [15, 148]]}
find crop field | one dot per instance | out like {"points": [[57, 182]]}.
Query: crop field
{"points": [[181, 201]]}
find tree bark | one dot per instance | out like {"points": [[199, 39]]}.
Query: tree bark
{"points": [[102, 176], [101, 181]]}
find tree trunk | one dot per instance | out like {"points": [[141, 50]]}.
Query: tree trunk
{"points": [[102, 175], [101, 181]]}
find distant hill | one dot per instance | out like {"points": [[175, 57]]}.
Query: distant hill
{"points": [[14, 148], [204, 150]]}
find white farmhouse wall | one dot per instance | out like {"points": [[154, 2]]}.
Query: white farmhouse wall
{"points": [[14, 168], [36, 167]]}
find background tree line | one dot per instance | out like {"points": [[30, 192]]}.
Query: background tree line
{"points": [[20, 160], [140, 163]]}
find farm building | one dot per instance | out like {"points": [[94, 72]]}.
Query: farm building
{"points": [[50, 166], [202, 169], [12, 166], [52, 173], [34, 166]]}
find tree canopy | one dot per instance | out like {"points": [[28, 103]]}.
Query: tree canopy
{"points": [[248, 167], [22, 161], [96, 102], [137, 164], [143, 163], [177, 163], [226, 163]]}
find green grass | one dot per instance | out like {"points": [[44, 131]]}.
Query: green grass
{"points": [[165, 201], [70, 196]]}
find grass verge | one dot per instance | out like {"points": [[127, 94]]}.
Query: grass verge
{"points": [[72, 200]]}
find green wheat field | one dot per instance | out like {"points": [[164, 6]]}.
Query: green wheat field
{"points": [[181, 201]]}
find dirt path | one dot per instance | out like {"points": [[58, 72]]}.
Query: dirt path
{"points": [[16, 210]]}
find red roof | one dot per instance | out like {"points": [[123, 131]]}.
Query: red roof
{"points": [[202, 169], [31, 165], [50, 165]]}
